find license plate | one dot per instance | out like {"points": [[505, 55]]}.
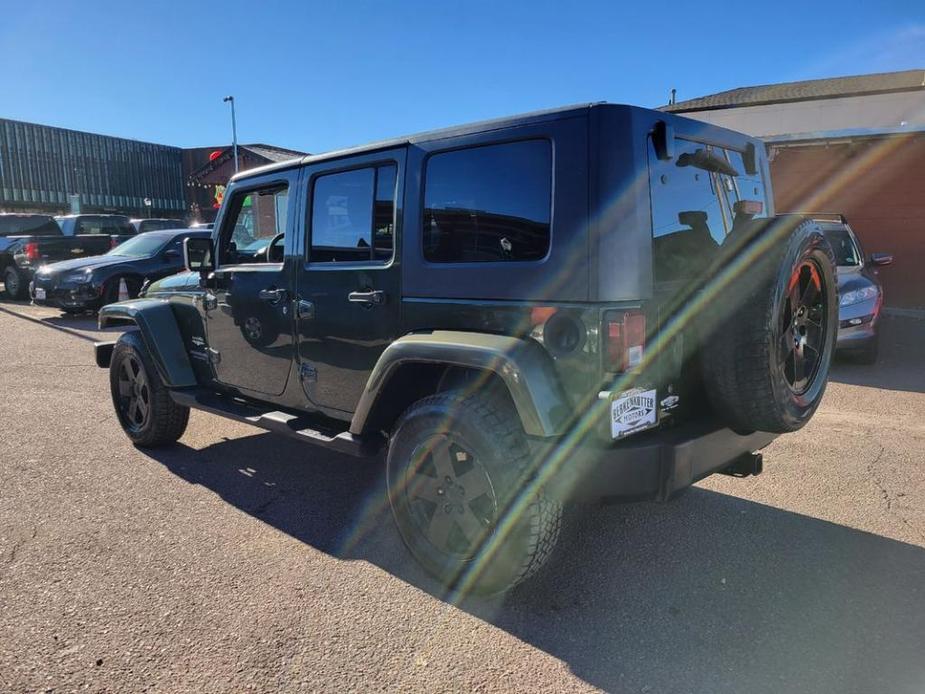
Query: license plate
{"points": [[632, 411], [39, 293]]}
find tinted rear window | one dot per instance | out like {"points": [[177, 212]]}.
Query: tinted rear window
{"points": [[489, 203], [38, 225], [104, 225], [693, 208]]}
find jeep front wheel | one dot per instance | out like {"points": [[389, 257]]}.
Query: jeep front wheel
{"points": [[459, 486], [147, 413]]}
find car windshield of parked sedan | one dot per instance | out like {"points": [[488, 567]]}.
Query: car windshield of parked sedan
{"points": [[846, 252], [141, 246]]}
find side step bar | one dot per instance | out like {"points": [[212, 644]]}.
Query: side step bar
{"points": [[300, 427]]}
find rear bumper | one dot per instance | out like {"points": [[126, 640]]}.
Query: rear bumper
{"points": [[652, 465]]}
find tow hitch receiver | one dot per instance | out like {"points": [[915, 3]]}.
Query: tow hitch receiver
{"points": [[745, 465]]}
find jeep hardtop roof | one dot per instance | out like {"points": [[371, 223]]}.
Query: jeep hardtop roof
{"points": [[705, 130], [601, 161]]}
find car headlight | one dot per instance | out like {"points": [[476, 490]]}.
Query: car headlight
{"points": [[856, 296], [79, 277]]}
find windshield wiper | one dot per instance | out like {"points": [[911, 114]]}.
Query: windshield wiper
{"points": [[708, 161]]}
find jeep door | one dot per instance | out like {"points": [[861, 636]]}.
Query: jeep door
{"points": [[247, 307], [349, 290]]}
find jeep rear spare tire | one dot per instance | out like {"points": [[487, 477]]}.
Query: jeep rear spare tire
{"points": [[459, 486], [766, 366]]}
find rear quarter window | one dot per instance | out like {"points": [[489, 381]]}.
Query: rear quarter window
{"points": [[490, 203]]}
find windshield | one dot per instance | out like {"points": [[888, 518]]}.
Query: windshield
{"points": [[846, 252], [140, 246]]}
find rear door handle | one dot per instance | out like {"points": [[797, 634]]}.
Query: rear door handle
{"points": [[375, 297], [274, 296]]}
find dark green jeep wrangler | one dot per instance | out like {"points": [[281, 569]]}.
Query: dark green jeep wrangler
{"points": [[595, 301]]}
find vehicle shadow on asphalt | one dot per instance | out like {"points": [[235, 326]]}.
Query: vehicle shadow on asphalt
{"points": [[707, 593], [901, 364]]}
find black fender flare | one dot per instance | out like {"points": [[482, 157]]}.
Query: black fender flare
{"points": [[161, 334], [523, 366]]}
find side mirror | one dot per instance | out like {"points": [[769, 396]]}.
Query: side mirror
{"points": [[881, 259], [198, 256]]}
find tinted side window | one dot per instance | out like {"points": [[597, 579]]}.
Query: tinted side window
{"points": [[253, 219], [353, 215], [489, 203]]}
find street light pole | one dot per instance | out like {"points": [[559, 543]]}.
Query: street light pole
{"points": [[234, 132]]}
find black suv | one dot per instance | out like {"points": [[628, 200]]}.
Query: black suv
{"points": [[596, 301]]}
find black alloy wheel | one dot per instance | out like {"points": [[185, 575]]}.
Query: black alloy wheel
{"points": [[459, 470], [134, 394], [144, 408], [803, 326], [450, 495]]}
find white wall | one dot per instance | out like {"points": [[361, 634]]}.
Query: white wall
{"points": [[875, 111]]}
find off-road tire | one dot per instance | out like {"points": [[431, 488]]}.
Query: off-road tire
{"points": [[531, 523], [165, 421], [14, 284], [741, 358]]}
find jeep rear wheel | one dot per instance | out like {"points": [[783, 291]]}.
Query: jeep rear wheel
{"points": [[458, 472], [147, 413], [767, 364]]}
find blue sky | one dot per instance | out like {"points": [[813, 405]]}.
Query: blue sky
{"points": [[319, 75]]}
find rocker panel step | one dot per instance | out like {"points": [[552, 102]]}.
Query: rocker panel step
{"points": [[300, 427]]}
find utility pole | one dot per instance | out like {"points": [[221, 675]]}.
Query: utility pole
{"points": [[234, 132]]}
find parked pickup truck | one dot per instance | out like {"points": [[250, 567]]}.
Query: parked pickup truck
{"points": [[52, 239], [591, 302]]}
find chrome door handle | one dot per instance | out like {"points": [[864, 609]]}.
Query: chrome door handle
{"points": [[274, 296], [375, 297]]}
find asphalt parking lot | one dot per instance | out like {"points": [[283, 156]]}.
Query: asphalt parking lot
{"points": [[237, 561]]}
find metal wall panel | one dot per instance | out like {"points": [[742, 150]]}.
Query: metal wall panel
{"points": [[41, 165]]}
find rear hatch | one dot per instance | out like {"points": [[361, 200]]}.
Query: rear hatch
{"points": [[699, 196]]}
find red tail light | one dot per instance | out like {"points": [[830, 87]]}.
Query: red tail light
{"points": [[626, 339], [31, 251]]}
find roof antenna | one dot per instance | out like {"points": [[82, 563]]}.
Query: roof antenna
{"points": [[674, 93]]}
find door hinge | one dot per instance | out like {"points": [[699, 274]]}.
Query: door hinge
{"points": [[214, 356], [308, 373]]}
